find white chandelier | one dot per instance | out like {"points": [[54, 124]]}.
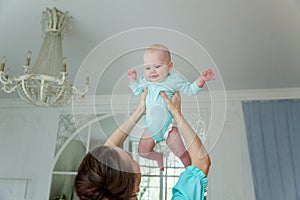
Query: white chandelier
{"points": [[46, 83]]}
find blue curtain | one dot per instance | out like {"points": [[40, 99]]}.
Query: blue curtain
{"points": [[273, 135]]}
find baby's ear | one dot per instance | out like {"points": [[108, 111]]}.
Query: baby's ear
{"points": [[170, 66]]}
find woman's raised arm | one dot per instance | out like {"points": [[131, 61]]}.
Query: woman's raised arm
{"points": [[196, 149], [121, 133]]}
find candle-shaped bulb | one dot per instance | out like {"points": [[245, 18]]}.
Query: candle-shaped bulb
{"points": [[64, 64], [29, 54], [3, 63], [87, 79], [28, 58]]}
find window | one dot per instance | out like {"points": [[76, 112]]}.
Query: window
{"points": [[74, 141], [156, 184]]}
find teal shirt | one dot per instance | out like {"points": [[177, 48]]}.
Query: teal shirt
{"points": [[191, 185], [158, 117]]}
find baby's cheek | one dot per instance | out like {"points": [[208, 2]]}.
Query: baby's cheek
{"points": [[147, 77]]}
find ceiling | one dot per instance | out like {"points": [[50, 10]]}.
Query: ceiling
{"points": [[251, 44]]}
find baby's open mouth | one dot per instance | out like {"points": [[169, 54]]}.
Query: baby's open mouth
{"points": [[154, 76]]}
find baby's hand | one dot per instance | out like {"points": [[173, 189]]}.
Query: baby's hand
{"points": [[131, 73], [206, 75]]}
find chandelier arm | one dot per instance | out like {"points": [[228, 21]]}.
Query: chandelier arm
{"points": [[7, 83], [26, 69], [8, 89], [62, 80], [24, 89], [4, 80], [60, 93], [42, 90], [81, 92]]}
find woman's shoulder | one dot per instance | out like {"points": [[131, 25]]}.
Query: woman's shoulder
{"points": [[193, 170], [191, 184]]}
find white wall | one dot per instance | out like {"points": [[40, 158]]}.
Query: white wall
{"points": [[27, 142], [230, 174]]}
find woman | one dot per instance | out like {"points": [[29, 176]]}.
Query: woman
{"points": [[110, 173]]}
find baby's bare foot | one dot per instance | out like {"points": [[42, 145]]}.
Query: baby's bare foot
{"points": [[160, 162]]}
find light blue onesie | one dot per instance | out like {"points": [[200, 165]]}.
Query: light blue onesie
{"points": [[158, 118]]}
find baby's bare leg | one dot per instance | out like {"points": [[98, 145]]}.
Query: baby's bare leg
{"points": [[176, 145], [145, 149]]}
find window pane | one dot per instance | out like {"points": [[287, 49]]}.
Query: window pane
{"points": [[71, 157], [156, 184], [62, 185]]}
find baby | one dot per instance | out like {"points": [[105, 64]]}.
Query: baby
{"points": [[158, 76]]}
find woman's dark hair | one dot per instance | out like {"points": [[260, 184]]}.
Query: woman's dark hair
{"points": [[103, 174]]}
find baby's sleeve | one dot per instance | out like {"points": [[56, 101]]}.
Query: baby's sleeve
{"points": [[186, 88], [137, 88], [191, 185]]}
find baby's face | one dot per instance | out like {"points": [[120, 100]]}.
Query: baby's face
{"points": [[156, 66]]}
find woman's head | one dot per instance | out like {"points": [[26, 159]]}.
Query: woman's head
{"points": [[107, 173]]}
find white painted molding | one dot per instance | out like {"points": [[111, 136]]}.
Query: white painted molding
{"points": [[264, 94], [103, 103]]}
